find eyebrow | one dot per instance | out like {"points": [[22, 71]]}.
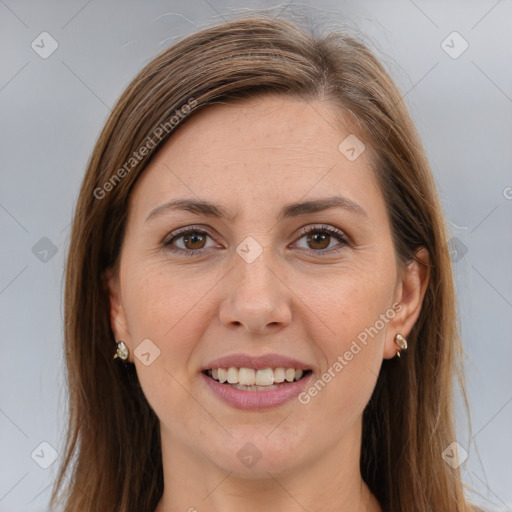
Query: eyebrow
{"points": [[208, 209]]}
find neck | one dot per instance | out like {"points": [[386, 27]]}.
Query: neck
{"points": [[331, 483]]}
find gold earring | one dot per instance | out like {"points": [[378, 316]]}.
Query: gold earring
{"points": [[401, 342], [122, 351]]}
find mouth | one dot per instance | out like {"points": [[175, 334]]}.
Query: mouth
{"points": [[256, 389], [255, 382], [251, 379]]}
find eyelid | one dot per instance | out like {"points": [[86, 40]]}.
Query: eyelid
{"points": [[184, 231], [331, 230], [304, 230]]}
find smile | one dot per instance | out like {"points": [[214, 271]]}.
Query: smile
{"points": [[251, 389], [255, 380]]}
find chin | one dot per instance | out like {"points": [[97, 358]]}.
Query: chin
{"points": [[255, 455]]}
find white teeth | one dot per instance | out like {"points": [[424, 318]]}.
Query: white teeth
{"points": [[253, 388], [246, 376], [289, 374], [279, 375], [223, 375], [232, 375], [266, 377]]}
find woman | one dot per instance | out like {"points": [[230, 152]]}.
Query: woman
{"points": [[260, 310]]}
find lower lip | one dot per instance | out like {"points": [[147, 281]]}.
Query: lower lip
{"points": [[257, 400]]}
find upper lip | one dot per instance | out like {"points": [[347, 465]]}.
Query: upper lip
{"points": [[257, 362]]}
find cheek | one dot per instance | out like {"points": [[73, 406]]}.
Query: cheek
{"points": [[160, 302], [162, 307], [348, 300], [352, 354], [355, 307]]}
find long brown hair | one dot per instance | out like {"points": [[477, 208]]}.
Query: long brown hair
{"points": [[112, 460]]}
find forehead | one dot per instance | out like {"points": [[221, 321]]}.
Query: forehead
{"points": [[268, 126], [262, 148]]}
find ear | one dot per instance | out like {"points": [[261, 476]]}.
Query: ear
{"points": [[410, 292], [118, 321]]}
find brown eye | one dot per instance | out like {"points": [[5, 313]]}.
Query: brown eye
{"points": [[318, 239], [194, 241], [187, 241]]}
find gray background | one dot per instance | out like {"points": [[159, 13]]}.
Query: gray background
{"points": [[53, 109]]}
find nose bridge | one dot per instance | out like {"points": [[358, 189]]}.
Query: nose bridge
{"points": [[256, 296], [254, 272]]}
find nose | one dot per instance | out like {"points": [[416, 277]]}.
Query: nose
{"points": [[256, 298]]}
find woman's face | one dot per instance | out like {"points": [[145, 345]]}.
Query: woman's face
{"points": [[248, 281]]}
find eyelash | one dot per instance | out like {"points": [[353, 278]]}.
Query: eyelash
{"points": [[167, 243]]}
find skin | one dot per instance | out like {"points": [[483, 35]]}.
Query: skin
{"points": [[252, 157]]}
